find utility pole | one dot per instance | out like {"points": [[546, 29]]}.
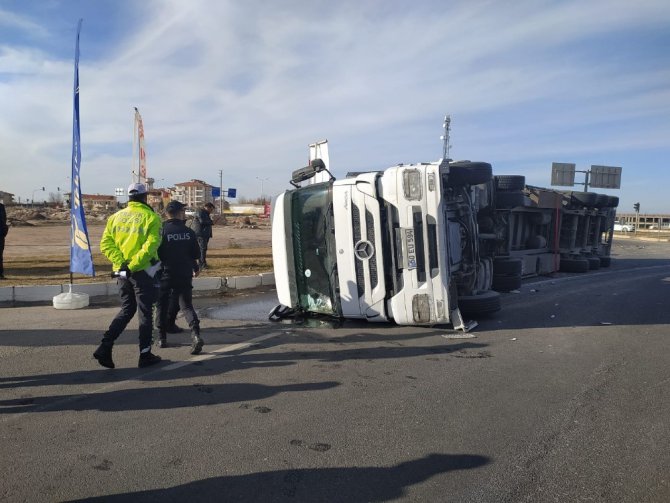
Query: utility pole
{"points": [[220, 192]]}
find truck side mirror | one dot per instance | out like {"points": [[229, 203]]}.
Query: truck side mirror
{"points": [[302, 174]]}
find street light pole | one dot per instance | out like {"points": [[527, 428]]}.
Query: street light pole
{"points": [[32, 199], [262, 191]]}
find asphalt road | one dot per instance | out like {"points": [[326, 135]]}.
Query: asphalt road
{"points": [[562, 396]]}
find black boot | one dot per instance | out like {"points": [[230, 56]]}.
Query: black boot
{"points": [[198, 343], [162, 341], [147, 359], [104, 354]]}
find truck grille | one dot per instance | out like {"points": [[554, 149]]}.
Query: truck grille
{"points": [[370, 230], [369, 236], [360, 278]]}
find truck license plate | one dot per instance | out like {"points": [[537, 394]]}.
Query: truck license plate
{"points": [[410, 249]]}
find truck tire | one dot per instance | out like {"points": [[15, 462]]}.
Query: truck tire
{"points": [[506, 283], [510, 182], [594, 263], [509, 266], [506, 200], [605, 261], [584, 198], [478, 305], [613, 201], [574, 265], [602, 200], [469, 173]]}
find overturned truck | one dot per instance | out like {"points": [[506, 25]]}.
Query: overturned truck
{"points": [[426, 244]]}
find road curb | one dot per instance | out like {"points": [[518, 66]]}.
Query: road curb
{"points": [[45, 293]]}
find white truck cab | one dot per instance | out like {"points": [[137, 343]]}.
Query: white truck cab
{"points": [[399, 244]]}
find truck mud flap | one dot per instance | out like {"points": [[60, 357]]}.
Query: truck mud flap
{"points": [[459, 323]]}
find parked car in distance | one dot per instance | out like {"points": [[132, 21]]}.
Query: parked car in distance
{"points": [[655, 227], [618, 226]]}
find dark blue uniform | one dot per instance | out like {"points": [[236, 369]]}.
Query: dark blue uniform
{"points": [[179, 253], [202, 225]]}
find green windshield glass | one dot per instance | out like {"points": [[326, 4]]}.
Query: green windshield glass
{"points": [[313, 247]]}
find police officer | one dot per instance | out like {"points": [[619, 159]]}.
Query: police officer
{"points": [[130, 241], [3, 233], [202, 225], [179, 253]]}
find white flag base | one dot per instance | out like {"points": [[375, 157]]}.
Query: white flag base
{"points": [[70, 300]]}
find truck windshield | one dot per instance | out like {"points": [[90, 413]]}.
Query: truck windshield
{"points": [[314, 248]]}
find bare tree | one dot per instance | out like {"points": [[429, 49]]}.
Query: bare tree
{"points": [[55, 198]]}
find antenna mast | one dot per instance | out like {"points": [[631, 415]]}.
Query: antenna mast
{"points": [[445, 137]]}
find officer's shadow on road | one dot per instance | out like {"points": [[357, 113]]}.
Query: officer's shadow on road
{"points": [[275, 352], [158, 398], [350, 485]]}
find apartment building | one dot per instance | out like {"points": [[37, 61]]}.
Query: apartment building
{"points": [[193, 193]]}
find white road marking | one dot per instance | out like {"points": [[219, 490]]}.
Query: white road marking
{"points": [[221, 350]]}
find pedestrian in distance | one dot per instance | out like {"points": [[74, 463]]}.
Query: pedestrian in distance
{"points": [[130, 241], [179, 253], [3, 233], [202, 225]]}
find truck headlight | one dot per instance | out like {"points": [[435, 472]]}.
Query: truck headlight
{"points": [[421, 308], [411, 184]]}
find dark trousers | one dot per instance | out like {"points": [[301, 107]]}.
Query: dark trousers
{"points": [[183, 290], [2, 251], [137, 295], [173, 308], [203, 242]]}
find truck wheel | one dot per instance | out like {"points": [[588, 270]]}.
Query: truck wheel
{"points": [[506, 283], [478, 305], [602, 200], [584, 198], [605, 261], [574, 265], [510, 182], [469, 173], [594, 263], [506, 200], [613, 201], [511, 266]]}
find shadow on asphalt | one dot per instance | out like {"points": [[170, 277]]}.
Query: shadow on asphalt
{"points": [[159, 398], [346, 485], [277, 352]]}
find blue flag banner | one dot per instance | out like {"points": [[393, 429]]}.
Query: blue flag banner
{"points": [[81, 258]]}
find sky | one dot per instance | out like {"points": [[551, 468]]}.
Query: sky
{"points": [[245, 87]]}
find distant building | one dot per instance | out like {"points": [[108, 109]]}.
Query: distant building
{"points": [[6, 198], [158, 198], [193, 194], [98, 202]]}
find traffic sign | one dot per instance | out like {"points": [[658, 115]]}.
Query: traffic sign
{"points": [[605, 177], [563, 174]]}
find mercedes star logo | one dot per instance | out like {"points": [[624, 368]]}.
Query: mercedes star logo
{"points": [[364, 250]]}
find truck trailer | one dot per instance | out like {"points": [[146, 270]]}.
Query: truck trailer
{"points": [[426, 244]]}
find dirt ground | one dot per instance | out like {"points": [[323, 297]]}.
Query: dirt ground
{"points": [[53, 239], [38, 252]]}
